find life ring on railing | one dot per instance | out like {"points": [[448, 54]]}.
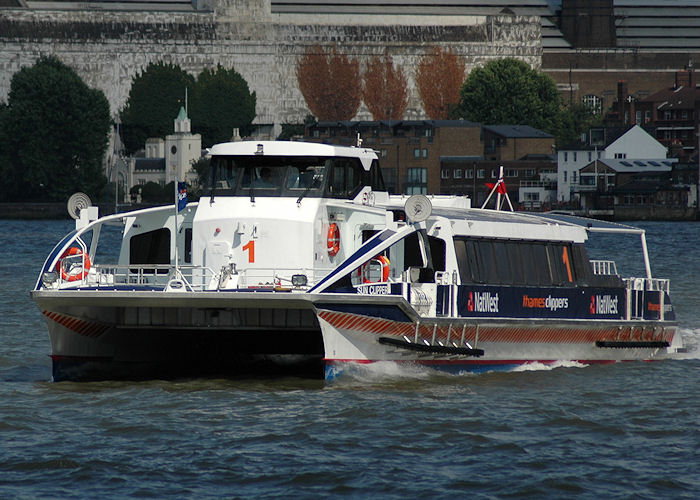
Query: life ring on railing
{"points": [[333, 241], [73, 277], [363, 270]]}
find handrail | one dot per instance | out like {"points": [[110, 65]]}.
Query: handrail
{"points": [[604, 267]]}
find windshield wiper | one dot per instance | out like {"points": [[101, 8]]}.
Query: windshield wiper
{"points": [[302, 195], [251, 193]]}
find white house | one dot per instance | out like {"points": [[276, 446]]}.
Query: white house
{"points": [[602, 143]]}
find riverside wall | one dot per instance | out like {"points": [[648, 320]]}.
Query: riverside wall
{"points": [[107, 48]]}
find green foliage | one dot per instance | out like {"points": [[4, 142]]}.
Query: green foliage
{"points": [[221, 102], [154, 101], [201, 166], [575, 120], [508, 92], [53, 134]]}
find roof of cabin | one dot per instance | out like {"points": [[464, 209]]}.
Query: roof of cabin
{"points": [[291, 148]]}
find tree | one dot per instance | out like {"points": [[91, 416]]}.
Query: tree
{"points": [[53, 134], [221, 102], [384, 89], [574, 120], [439, 76], [154, 100], [509, 92], [330, 83]]}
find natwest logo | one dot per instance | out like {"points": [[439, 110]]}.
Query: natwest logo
{"points": [[486, 302], [603, 304]]}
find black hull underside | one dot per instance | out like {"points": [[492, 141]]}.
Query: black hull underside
{"points": [[171, 354]]}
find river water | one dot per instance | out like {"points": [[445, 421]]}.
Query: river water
{"points": [[612, 431]]}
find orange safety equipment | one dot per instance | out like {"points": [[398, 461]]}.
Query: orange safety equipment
{"points": [[84, 267]]}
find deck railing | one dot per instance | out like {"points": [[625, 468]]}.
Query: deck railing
{"points": [[604, 267], [194, 278]]}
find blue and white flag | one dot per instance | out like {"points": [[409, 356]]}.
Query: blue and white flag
{"points": [[181, 195]]}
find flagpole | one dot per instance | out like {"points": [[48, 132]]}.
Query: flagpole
{"points": [[177, 271]]}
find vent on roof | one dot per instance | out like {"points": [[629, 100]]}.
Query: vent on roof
{"points": [[655, 164], [626, 163], [640, 163]]}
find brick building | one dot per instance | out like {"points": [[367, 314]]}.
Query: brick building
{"points": [[409, 150]]}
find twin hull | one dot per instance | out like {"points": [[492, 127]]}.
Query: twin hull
{"points": [[97, 335]]}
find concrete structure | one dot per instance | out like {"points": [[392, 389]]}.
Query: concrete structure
{"points": [[109, 44]]}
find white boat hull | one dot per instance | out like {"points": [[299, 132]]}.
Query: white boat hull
{"points": [[467, 344], [105, 335]]}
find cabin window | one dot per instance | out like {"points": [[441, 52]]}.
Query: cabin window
{"points": [[346, 179], [375, 178], [515, 262], [188, 245], [152, 247]]}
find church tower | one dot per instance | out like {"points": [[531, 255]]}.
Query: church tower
{"points": [[182, 149]]}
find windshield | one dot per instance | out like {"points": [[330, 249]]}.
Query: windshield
{"points": [[298, 176]]}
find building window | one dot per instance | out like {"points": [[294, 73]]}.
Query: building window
{"points": [[565, 172], [384, 153], [684, 115], [481, 173], [511, 172], [573, 177], [575, 156], [425, 153], [416, 190], [469, 174], [594, 103], [638, 117], [416, 153], [647, 116], [445, 174], [532, 196], [620, 156], [417, 181], [418, 175], [529, 172], [566, 156], [458, 173], [494, 173]]}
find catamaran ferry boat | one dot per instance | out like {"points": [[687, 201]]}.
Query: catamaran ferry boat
{"points": [[298, 262]]}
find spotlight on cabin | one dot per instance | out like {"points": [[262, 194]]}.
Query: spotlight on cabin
{"points": [[49, 278], [299, 280]]}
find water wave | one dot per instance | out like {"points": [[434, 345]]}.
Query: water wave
{"points": [[691, 340], [537, 366]]}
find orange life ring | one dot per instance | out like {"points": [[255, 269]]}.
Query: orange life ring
{"points": [[73, 277], [384, 261], [363, 269], [333, 241]]}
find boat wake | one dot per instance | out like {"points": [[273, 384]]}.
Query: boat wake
{"points": [[390, 371], [691, 339], [537, 366]]}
